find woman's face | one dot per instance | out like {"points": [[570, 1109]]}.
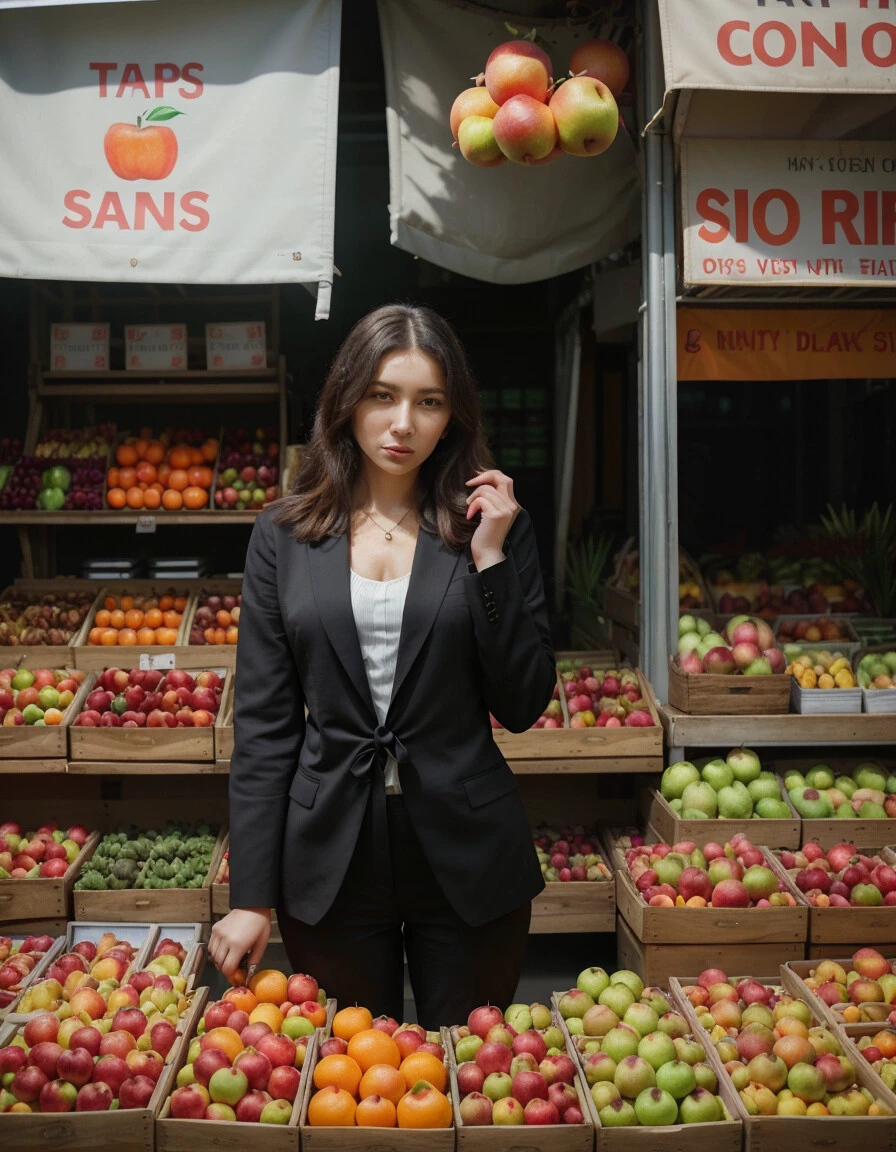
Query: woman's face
{"points": [[403, 414]]}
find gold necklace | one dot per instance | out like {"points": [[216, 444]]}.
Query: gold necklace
{"points": [[388, 532]]}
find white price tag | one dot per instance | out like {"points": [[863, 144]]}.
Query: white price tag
{"points": [[145, 524], [156, 661]]}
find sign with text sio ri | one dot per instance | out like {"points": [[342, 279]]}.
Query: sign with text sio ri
{"points": [[170, 142], [785, 213]]}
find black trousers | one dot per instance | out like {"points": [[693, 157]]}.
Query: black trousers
{"points": [[355, 950]]}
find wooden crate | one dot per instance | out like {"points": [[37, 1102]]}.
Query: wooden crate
{"points": [[863, 833], [516, 1138], [27, 741], [50, 655], [116, 745], [217, 653], [622, 607], [352, 1139], [153, 905], [794, 974], [43, 898], [754, 926], [833, 928], [718, 1136], [224, 727], [95, 657], [706, 694], [787, 1133], [656, 963], [671, 827], [36, 972], [582, 906], [220, 894]]}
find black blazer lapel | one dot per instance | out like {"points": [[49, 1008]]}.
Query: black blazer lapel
{"points": [[434, 566], [331, 585]]}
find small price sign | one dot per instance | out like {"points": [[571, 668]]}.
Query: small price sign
{"points": [[79, 347], [156, 661], [237, 345], [145, 524]]}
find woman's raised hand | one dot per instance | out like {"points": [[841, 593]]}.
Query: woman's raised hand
{"points": [[492, 497]]}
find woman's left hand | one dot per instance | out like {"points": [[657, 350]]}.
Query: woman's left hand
{"points": [[492, 497]]}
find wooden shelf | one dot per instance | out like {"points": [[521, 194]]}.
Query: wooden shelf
{"points": [[215, 393], [684, 731], [141, 768], [34, 518], [183, 374], [602, 766]]}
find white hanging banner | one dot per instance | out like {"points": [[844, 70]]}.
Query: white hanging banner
{"points": [[170, 142], [830, 45], [789, 212], [507, 225]]}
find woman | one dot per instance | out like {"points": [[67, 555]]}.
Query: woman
{"points": [[396, 595]]}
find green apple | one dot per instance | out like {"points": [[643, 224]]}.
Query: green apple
{"points": [[574, 1026], [846, 785], [628, 979], [765, 786], [656, 1107], [617, 1114], [274, 1112], [735, 802], [686, 624], [820, 777], [642, 1018], [769, 809], [227, 1086], [870, 775], [676, 778], [553, 1036], [518, 1017], [794, 779], [466, 1048], [703, 626], [702, 797], [507, 1110], [868, 811], [745, 764], [676, 1078], [593, 981], [717, 773], [604, 1092], [24, 678], [620, 1042], [657, 1049], [700, 1107], [541, 1015], [811, 804], [497, 1086], [296, 1026]]}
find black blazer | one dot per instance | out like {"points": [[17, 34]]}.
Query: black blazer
{"points": [[471, 642]]}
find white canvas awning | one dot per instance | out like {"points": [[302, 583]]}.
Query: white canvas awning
{"points": [[506, 225]]}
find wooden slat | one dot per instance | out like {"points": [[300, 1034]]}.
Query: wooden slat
{"points": [[671, 827], [683, 731], [705, 694]]}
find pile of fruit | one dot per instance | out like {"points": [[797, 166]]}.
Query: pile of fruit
{"points": [[175, 471], [841, 877], [880, 1052], [379, 1074], [637, 1055], [139, 619], [223, 876], [245, 1061], [569, 854], [177, 857], [862, 991], [779, 1061], [524, 115], [37, 696], [72, 444], [152, 699], [100, 1048], [822, 670], [690, 595], [868, 793], [877, 670], [46, 852], [731, 875], [17, 961], [217, 619], [746, 646], [27, 620], [735, 788], [609, 698], [513, 1068], [248, 473], [814, 630]]}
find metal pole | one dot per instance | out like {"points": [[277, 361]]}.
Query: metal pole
{"points": [[658, 446]]}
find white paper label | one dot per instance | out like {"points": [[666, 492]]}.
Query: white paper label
{"points": [[79, 347], [156, 661], [157, 347], [145, 524], [240, 345]]}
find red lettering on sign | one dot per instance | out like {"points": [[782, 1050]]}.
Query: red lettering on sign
{"points": [[111, 211], [72, 203], [143, 203], [812, 39], [148, 209], [104, 70], [132, 79], [723, 42], [189, 208], [839, 209], [709, 198], [869, 45], [760, 221], [788, 37], [189, 73], [165, 74], [705, 206]]}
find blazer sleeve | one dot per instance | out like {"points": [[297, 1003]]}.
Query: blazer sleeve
{"points": [[513, 638], [269, 727]]}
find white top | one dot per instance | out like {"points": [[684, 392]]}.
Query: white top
{"points": [[378, 606]]}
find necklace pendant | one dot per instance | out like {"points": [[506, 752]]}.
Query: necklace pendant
{"points": [[388, 535]]}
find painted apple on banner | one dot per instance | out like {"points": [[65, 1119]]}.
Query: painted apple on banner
{"points": [[143, 149]]}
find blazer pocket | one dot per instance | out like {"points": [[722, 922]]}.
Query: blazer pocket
{"points": [[303, 789], [487, 786]]}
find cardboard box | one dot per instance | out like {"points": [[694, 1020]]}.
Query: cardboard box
{"points": [[79, 347], [161, 347], [236, 345]]}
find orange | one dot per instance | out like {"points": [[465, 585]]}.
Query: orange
{"points": [[232, 634], [164, 471], [152, 498], [424, 1066], [348, 1021], [266, 1013], [337, 1071], [180, 602], [171, 619], [116, 498], [241, 998], [179, 457], [140, 447], [424, 1107], [152, 618], [227, 1040], [112, 478], [884, 1040], [166, 636], [126, 603], [178, 479], [127, 636], [126, 454], [116, 619], [101, 620], [195, 456], [209, 450], [52, 716], [223, 618], [195, 498], [375, 1112], [127, 477], [110, 602], [145, 636], [196, 472], [135, 497], [382, 1080], [269, 986], [146, 472], [172, 500], [109, 637], [332, 1108], [155, 452], [371, 1046], [93, 636], [166, 602]]}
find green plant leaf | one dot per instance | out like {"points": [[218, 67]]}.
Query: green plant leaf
{"points": [[163, 112]]}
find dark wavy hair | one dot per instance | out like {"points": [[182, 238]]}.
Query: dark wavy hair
{"points": [[320, 502]]}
